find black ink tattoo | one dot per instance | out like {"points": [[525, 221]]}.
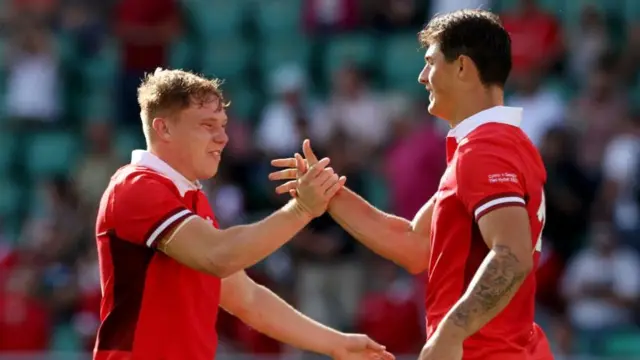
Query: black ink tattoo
{"points": [[496, 281]]}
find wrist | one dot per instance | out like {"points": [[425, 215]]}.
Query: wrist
{"points": [[298, 210], [337, 345]]}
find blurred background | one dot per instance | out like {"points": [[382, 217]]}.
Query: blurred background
{"points": [[343, 73]]}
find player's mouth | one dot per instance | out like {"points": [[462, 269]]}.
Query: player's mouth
{"points": [[216, 154]]}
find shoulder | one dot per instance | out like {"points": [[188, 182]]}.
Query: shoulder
{"points": [[136, 180]]}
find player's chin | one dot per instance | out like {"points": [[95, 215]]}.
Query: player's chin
{"points": [[209, 170]]}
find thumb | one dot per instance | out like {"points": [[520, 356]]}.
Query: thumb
{"points": [[308, 152]]}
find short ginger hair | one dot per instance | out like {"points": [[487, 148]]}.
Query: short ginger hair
{"points": [[478, 34], [165, 91]]}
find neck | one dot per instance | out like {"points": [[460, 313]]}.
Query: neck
{"points": [[473, 104], [172, 158]]}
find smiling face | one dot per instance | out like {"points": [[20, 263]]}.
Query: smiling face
{"points": [[196, 137], [439, 78]]}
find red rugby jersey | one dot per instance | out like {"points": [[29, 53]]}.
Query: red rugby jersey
{"points": [[491, 164], [152, 306]]}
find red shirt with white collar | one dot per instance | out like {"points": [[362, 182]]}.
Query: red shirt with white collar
{"points": [[491, 163], [152, 306]]}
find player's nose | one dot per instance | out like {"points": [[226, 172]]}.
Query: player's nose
{"points": [[221, 138], [423, 77]]}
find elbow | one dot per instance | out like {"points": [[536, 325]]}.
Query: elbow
{"points": [[416, 267], [418, 263], [220, 266]]}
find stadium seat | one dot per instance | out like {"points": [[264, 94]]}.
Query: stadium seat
{"points": [[625, 344], [285, 50], [51, 153], [279, 17], [244, 101], [128, 140], [7, 152], [402, 61], [226, 59], [182, 54], [215, 18], [10, 197], [356, 48], [101, 70]]}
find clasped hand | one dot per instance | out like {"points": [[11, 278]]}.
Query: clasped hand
{"points": [[310, 181]]}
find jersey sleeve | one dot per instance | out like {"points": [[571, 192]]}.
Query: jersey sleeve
{"points": [[488, 179], [146, 209]]}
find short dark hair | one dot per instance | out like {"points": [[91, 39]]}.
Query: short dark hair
{"points": [[477, 34], [169, 90]]}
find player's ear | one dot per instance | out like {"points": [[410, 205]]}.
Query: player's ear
{"points": [[161, 128], [465, 67]]}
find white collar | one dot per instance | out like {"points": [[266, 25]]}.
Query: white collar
{"points": [[497, 114], [151, 161]]}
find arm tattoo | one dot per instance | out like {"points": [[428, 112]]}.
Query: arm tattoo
{"points": [[491, 289]]}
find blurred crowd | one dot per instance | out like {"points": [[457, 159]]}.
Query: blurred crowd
{"points": [[342, 73]]}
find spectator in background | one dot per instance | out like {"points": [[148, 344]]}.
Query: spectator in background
{"points": [[543, 107], [619, 196], [286, 120], [396, 15], [587, 43], [389, 312], [323, 16], [100, 161], [598, 114], [146, 29], [569, 193], [414, 161], [536, 38], [330, 273], [33, 77], [602, 284], [356, 112], [25, 321]]}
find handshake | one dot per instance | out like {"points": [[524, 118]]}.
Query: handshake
{"points": [[310, 182]]}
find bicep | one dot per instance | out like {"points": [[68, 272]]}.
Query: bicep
{"points": [[421, 223], [192, 243], [508, 229]]}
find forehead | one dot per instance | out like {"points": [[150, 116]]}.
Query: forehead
{"points": [[211, 110], [433, 51]]}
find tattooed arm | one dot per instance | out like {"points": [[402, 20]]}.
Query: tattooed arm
{"points": [[507, 233]]}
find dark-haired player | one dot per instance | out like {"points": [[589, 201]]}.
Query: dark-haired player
{"points": [[479, 237], [164, 264]]}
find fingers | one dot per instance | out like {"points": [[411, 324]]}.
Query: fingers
{"points": [[387, 356], [372, 345], [301, 166], [287, 187], [286, 174], [308, 152], [333, 189], [284, 163], [316, 169]]}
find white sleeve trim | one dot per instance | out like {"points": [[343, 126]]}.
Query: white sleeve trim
{"points": [[499, 201], [162, 227]]}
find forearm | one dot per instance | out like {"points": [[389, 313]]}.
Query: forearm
{"points": [[243, 246], [272, 316], [387, 235], [494, 284]]}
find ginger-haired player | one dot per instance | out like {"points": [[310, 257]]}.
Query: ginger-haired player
{"points": [[165, 267], [479, 237]]}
